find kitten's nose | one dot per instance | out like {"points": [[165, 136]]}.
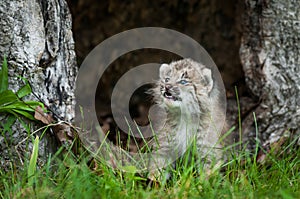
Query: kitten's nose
{"points": [[168, 86]]}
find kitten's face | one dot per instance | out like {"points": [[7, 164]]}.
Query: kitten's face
{"points": [[182, 82]]}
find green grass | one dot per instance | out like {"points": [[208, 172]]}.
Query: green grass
{"points": [[278, 177]]}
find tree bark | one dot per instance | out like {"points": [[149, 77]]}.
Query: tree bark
{"points": [[270, 55], [36, 38]]}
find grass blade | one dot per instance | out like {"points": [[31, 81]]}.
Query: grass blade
{"points": [[4, 76], [32, 162], [239, 117]]}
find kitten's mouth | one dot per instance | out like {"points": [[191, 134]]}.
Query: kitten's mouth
{"points": [[169, 96]]}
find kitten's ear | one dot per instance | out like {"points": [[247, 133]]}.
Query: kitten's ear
{"points": [[208, 81], [164, 70]]}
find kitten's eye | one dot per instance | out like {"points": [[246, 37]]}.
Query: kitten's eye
{"points": [[183, 82], [167, 79]]}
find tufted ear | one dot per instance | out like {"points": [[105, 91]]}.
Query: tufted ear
{"points": [[208, 82], [165, 70]]}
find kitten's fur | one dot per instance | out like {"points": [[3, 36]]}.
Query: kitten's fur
{"points": [[187, 92]]}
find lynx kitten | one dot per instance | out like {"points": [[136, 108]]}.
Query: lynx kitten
{"points": [[188, 94]]}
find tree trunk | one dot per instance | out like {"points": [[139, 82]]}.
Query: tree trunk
{"points": [[36, 38], [269, 52]]}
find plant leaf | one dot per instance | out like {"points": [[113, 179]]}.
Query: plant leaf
{"points": [[11, 102], [25, 90], [4, 76], [40, 115], [34, 104], [32, 162], [24, 113], [7, 97], [17, 105]]}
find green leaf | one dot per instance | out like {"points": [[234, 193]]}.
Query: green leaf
{"points": [[4, 76], [17, 105], [25, 90], [32, 163], [34, 104], [15, 112], [11, 102], [25, 114], [7, 97]]}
